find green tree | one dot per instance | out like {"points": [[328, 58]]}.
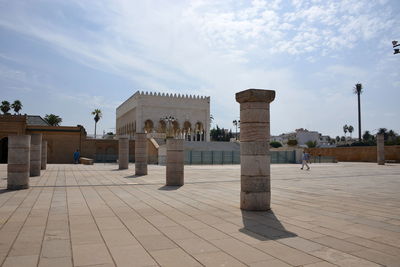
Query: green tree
{"points": [[236, 123], [384, 132], [350, 129], [292, 142], [367, 136], [97, 116], [345, 129], [275, 144], [391, 136], [5, 106], [358, 89], [53, 120], [311, 144], [17, 106], [337, 138]]}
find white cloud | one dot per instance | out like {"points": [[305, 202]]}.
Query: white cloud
{"points": [[212, 47]]}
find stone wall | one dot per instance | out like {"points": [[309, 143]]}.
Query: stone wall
{"points": [[91, 148], [62, 141], [357, 154], [12, 124]]}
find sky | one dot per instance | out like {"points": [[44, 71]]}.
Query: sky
{"points": [[71, 57]]}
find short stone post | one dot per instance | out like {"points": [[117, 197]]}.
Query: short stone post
{"points": [[36, 154], [255, 194], [141, 154], [19, 149], [43, 161], [380, 146], [123, 152], [175, 162]]}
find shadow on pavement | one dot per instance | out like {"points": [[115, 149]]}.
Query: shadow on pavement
{"points": [[134, 176], [170, 187], [263, 225], [4, 190]]}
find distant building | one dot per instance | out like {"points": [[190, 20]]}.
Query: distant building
{"points": [[62, 141], [144, 112], [302, 136]]}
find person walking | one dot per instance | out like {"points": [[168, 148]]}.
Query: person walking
{"points": [[305, 158]]}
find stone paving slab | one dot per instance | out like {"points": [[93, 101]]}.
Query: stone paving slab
{"points": [[345, 214]]}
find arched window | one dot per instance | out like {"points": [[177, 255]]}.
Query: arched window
{"points": [[148, 126], [162, 127], [175, 127]]}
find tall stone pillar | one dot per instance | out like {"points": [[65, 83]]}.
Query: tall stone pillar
{"points": [[380, 146], [43, 161], [141, 154], [36, 154], [175, 161], [255, 157], [19, 149], [123, 152]]}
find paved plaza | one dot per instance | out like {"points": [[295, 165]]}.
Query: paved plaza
{"points": [[345, 214]]}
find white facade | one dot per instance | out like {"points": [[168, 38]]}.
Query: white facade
{"points": [[302, 136], [143, 112]]}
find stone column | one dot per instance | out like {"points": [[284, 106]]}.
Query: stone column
{"points": [[141, 154], [380, 146], [43, 161], [36, 154], [175, 161], [123, 152], [18, 161], [255, 157]]}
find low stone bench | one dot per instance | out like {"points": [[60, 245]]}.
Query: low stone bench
{"points": [[86, 161]]}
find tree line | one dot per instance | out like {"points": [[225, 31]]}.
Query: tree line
{"points": [[51, 119]]}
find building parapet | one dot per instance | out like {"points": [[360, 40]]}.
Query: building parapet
{"points": [[165, 95]]}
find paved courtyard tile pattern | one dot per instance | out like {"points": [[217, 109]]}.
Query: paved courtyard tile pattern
{"points": [[345, 214]]}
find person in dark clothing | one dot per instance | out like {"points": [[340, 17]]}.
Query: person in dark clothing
{"points": [[76, 156]]}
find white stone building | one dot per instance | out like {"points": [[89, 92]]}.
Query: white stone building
{"points": [[144, 112], [302, 136]]}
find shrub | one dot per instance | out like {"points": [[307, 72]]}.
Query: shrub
{"points": [[275, 144], [292, 142], [311, 144]]}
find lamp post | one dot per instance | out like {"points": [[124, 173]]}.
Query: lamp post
{"points": [[168, 121], [396, 50]]}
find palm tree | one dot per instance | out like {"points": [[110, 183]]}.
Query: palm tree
{"points": [[17, 106], [97, 115], [53, 120], [5, 106], [358, 89], [350, 129], [235, 123], [345, 129]]}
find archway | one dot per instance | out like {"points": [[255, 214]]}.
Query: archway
{"points": [[148, 126], [4, 150], [186, 130], [198, 128], [162, 126], [175, 127]]}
